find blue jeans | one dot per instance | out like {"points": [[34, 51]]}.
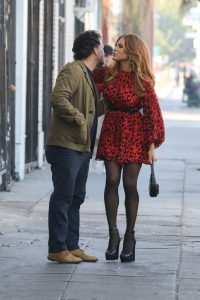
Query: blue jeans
{"points": [[69, 175]]}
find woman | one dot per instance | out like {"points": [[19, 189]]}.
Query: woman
{"points": [[132, 129]]}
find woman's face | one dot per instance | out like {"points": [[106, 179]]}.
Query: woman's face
{"points": [[119, 53]]}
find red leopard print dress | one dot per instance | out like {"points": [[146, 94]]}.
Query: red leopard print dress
{"points": [[126, 135]]}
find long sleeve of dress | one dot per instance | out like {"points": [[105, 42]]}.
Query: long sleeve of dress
{"points": [[98, 76], [155, 131]]}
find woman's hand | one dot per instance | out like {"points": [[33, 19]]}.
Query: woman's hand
{"points": [[152, 154]]}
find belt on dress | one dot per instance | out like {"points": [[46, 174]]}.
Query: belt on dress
{"points": [[126, 110]]}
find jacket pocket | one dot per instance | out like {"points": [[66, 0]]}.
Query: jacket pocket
{"points": [[73, 133]]}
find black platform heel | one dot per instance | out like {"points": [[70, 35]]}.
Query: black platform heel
{"points": [[128, 252], [112, 251]]}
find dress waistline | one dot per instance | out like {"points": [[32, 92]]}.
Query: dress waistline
{"points": [[126, 110]]}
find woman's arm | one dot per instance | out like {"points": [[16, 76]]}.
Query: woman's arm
{"points": [[155, 131], [152, 153], [98, 76]]}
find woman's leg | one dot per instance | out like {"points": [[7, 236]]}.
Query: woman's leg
{"points": [[130, 177], [111, 198]]}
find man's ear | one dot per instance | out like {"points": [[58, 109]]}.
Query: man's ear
{"points": [[95, 50]]}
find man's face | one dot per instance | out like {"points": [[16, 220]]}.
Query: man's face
{"points": [[100, 52]]}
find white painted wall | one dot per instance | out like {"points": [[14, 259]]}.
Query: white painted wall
{"points": [[21, 70], [93, 15], [69, 29]]}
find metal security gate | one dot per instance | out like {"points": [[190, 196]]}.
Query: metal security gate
{"points": [[32, 84], [7, 96], [48, 55]]}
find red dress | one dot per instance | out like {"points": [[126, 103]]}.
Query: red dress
{"points": [[125, 136]]}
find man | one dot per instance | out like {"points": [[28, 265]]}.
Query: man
{"points": [[107, 61], [108, 51], [70, 143]]}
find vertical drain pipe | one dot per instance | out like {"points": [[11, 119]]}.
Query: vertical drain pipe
{"points": [[20, 96], [40, 85], [55, 40]]}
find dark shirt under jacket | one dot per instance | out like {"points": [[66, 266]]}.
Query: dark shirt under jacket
{"points": [[95, 122]]}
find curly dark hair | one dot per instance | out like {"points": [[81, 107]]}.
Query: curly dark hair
{"points": [[85, 43]]}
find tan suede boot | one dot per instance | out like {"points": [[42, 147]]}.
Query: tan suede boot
{"points": [[64, 257], [85, 257]]}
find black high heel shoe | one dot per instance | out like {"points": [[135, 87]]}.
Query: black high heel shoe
{"points": [[128, 252], [112, 251]]}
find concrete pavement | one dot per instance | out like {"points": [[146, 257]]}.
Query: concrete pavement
{"points": [[167, 262]]}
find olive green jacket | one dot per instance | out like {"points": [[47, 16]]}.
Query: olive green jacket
{"points": [[73, 102]]}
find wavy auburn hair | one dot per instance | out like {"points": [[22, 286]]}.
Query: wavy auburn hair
{"points": [[139, 57]]}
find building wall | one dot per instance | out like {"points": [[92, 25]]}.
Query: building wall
{"points": [[92, 15], [47, 29], [69, 29], [7, 92]]}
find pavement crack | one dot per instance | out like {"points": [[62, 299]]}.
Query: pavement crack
{"points": [[181, 237], [30, 210]]}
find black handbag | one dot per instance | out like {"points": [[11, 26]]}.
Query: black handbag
{"points": [[153, 185]]}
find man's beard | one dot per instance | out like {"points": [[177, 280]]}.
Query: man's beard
{"points": [[100, 64]]}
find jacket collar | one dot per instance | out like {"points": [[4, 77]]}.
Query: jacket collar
{"points": [[93, 86]]}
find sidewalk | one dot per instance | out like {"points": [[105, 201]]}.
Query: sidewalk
{"points": [[167, 262]]}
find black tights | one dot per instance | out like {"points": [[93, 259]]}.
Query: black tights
{"points": [[111, 196]]}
